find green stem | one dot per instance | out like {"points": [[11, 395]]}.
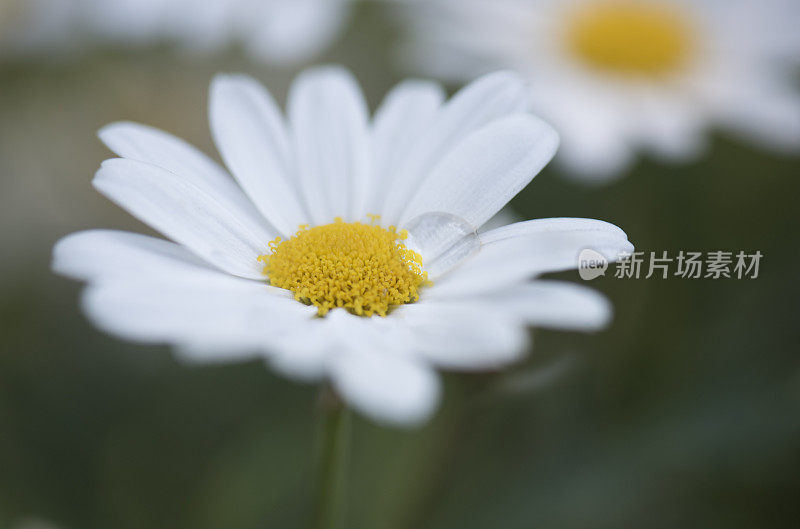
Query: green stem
{"points": [[332, 452]]}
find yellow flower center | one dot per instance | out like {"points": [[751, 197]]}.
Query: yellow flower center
{"points": [[624, 36], [363, 268]]}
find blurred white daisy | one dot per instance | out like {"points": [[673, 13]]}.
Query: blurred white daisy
{"points": [[276, 31], [615, 76], [312, 209]]}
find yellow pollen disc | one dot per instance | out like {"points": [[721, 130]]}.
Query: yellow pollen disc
{"points": [[361, 267], [630, 37]]}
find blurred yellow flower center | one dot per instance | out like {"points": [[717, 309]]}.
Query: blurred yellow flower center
{"points": [[630, 37], [363, 268]]}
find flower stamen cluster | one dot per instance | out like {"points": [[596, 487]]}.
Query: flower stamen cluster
{"points": [[363, 268], [631, 37]]}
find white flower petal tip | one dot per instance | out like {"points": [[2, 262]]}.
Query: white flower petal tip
{"points": [[519, 252], [487, 169], [96, 255], [217, 318], [504, 84], [374, 371], [390, 391], [187, 213], [464, 334], [149, 145], [479, 104], [599, 231], [557, 305], [127, 137]]}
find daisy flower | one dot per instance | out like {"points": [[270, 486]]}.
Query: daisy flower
{"points": [[615, 76], [275, 31], [343, 248]]}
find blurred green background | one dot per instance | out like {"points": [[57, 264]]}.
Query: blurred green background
{"points": [[685, 413]]}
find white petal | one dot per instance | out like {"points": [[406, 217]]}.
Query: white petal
{"points": [[552, 304], [184, 212], [298, 361], [671, 126], [553, 225], [304, 352], [229, 314], [770, 118], [598, 158], [389, 389], [216, 350], [486, 170], [146, 144], [329, 122], [380, 381], [288, 344], [483, 101], [251, 137], [294, 31], [405, 114], [534, 249], [96, 255], [463, 337], [597, 140]]}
